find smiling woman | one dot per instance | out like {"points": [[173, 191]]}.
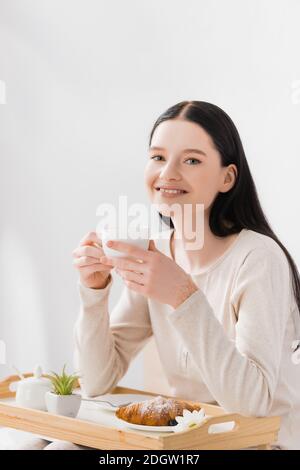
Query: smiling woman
{"points": [[221, 179], [225, 317]]}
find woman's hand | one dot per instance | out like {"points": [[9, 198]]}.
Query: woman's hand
{"points": [[152, 273], [87, 256]]}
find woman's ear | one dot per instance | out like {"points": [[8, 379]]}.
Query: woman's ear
{"points": [[229, 178]]}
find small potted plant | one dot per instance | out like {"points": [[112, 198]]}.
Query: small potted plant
{"points": [[61, 400]]}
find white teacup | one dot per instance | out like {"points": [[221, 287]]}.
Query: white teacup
{"points": [[139, 239]]}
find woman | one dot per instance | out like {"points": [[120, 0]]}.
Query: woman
{"points": [[229, 310]]}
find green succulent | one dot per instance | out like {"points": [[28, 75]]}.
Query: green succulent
{"points": [[63, 384]]}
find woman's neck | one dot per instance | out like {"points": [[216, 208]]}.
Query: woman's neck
{"points": [[194, 259]]}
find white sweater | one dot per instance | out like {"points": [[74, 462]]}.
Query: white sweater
{"points": [[229, 343]]}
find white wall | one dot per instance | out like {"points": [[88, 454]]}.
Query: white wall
{"points": [[85, 81]]}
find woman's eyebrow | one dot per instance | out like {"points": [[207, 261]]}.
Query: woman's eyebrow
{"points": [[184, 151]]}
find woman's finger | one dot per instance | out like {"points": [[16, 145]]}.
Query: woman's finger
{"points": [[88, 261], [92, 268], [124, 264], [90, 238], [131, 276], [88, 250]]}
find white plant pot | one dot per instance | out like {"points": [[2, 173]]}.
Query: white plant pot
{"points": [[66, 405]]}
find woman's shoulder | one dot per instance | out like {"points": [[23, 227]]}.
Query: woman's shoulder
{"points": [[265, 264], [259, 244]]}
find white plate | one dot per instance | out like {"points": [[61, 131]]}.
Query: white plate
{"points": [[118, 399], [214, 428], [143, 427]]}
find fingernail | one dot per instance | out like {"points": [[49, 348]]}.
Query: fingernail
{"points": [[109, 243]]}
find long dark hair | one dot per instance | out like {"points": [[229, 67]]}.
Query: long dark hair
{"points": [[240, 207]]}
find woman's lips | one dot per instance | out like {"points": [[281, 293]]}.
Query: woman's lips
{"points": [[170, 194]]}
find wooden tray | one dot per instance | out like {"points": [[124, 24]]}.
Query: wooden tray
{"points": [[95, 432]]}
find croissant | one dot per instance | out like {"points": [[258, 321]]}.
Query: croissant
{"points": [[159, 411]]}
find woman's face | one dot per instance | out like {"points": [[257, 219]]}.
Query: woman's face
{"points": [[198, 171]]}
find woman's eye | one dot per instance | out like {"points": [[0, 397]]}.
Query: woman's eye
{"points": [[154, 156], [194, 159]]}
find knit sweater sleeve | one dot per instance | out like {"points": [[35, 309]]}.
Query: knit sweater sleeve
{"points": [[105, 344], [242, 373]]}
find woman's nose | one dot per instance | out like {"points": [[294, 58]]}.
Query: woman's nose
{"points": [[169, 172]]}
